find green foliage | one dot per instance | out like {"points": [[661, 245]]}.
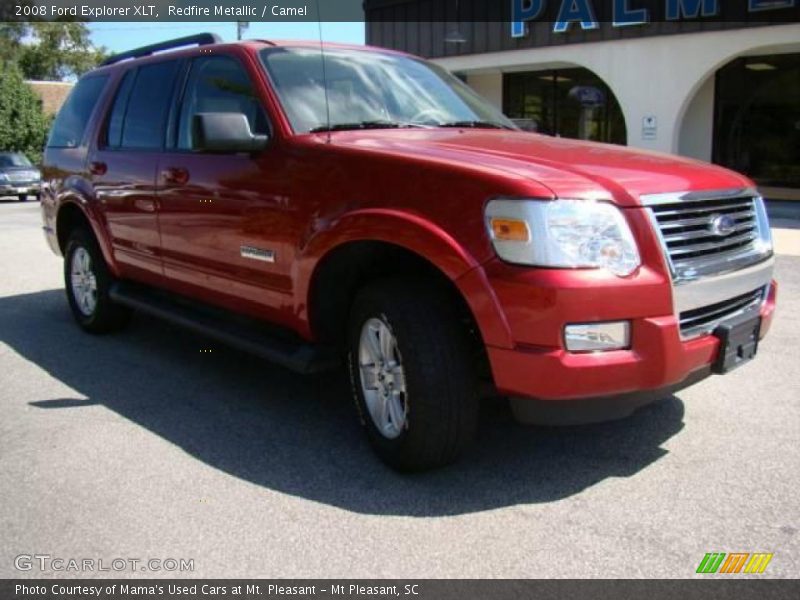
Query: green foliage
{"points": [[46, 51], [23, 125], [49, 51]]}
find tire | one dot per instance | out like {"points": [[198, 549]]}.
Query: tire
{"points": [[432, 419], [94, 312], [22, 197]]}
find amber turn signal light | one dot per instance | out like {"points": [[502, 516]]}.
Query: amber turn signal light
{"points": [[510, 230]]}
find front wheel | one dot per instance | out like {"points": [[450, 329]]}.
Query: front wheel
{"points": [[87, 281], [22, 197], [411, 374]]}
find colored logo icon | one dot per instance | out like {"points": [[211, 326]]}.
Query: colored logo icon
{"points": [[735, 562]]}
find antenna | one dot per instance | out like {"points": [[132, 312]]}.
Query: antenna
{"points": [[324, 74]]}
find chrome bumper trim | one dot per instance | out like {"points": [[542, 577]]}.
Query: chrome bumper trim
{"points": [[711, 290]]}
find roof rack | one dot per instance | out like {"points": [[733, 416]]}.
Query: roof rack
{"points": [[201, 39]]}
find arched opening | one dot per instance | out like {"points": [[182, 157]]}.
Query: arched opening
{"points": [[569, 102], [697, 127], [757, 121]]}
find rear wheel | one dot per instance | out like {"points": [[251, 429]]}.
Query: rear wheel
{"points": [[22, 197], [411, 374], [87, 281]]}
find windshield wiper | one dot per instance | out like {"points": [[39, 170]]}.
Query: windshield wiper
{"points": [[474, 124], [377, 124]]}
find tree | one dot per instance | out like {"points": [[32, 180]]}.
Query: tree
{"points": [[49, 50], [23, 125]]}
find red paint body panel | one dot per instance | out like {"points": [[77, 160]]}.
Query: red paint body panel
{"points": [[421, 189], [658, 359]]}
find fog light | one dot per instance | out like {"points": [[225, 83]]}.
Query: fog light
{"points": [[597, 337]]}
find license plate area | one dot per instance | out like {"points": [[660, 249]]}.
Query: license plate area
{"points": [[738, 342]]}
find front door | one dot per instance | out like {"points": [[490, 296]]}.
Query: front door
{"points": [[221, 214]]}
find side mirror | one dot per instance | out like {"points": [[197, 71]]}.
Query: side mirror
{"points": [[225, 132]]}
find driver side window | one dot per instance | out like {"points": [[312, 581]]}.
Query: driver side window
{"points": [[218, 84]]}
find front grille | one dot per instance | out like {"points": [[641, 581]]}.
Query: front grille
{"points": [[706, 318], [688, 229], [19, 176]]}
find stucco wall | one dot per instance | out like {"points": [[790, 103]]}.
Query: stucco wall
{"points": [[488, 85], [697, 127], [658, 76]]}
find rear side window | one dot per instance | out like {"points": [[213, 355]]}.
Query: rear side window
{"points": [[138, 116], [70, 125], [117, 118]]}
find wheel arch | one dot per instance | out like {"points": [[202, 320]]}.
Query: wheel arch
{"points": [[73, 213], [373, 244]]}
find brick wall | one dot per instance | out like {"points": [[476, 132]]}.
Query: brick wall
{"points": [[52, 93]]}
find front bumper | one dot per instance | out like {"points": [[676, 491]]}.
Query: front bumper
{"points": [[538, 366], [15, 189]]}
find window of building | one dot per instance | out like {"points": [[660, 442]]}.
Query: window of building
{"points": [[70, 125], [757, 120], [219, 84], [572, 103]]}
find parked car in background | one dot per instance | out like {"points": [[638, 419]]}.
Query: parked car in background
{"points": [[18, 177], [373, 210]]}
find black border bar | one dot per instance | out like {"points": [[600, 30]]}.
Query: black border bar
{"points": [[738, 587]]}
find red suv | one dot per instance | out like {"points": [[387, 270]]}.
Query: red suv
{"points": [[364, 204]]}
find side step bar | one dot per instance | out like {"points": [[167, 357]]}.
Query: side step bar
{"points": [[244, 334]]}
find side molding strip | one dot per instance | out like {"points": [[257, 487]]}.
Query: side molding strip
{"points": [[257, 253]]}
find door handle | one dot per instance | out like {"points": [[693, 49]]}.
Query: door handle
{"points": [[98, 168], [176, 175]]}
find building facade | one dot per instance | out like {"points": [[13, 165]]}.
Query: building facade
{"points": [[717, 90], [52, 93]]}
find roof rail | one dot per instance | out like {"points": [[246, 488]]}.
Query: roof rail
{"points": [[201, 39]]}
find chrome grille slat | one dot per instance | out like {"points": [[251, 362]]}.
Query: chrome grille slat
{"points": [[691, 208], [710, 314], [701, 233], [715, 246], [703, 220], [705, 319], [680, 264]]}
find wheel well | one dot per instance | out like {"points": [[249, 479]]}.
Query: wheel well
{"points": [[69, 217], [350, 267]]}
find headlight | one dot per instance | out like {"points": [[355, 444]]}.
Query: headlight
{"points": [[562, 233], [3, 177]]}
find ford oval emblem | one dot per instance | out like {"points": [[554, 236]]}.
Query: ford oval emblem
{"points": [[722, 225]]}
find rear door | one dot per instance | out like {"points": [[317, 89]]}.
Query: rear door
{"points": [[222, 215], [64, 160], [123, 166]]}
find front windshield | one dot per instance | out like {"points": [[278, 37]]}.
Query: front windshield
{"points": [[371, 89], [14, 160]]}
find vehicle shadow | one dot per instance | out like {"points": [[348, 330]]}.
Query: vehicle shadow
{"points": [[298, 435]]}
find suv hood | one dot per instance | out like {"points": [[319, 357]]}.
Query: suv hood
{"points": [[568, 168]]}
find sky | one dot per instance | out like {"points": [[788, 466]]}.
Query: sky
{"points": [[118, 36]]}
